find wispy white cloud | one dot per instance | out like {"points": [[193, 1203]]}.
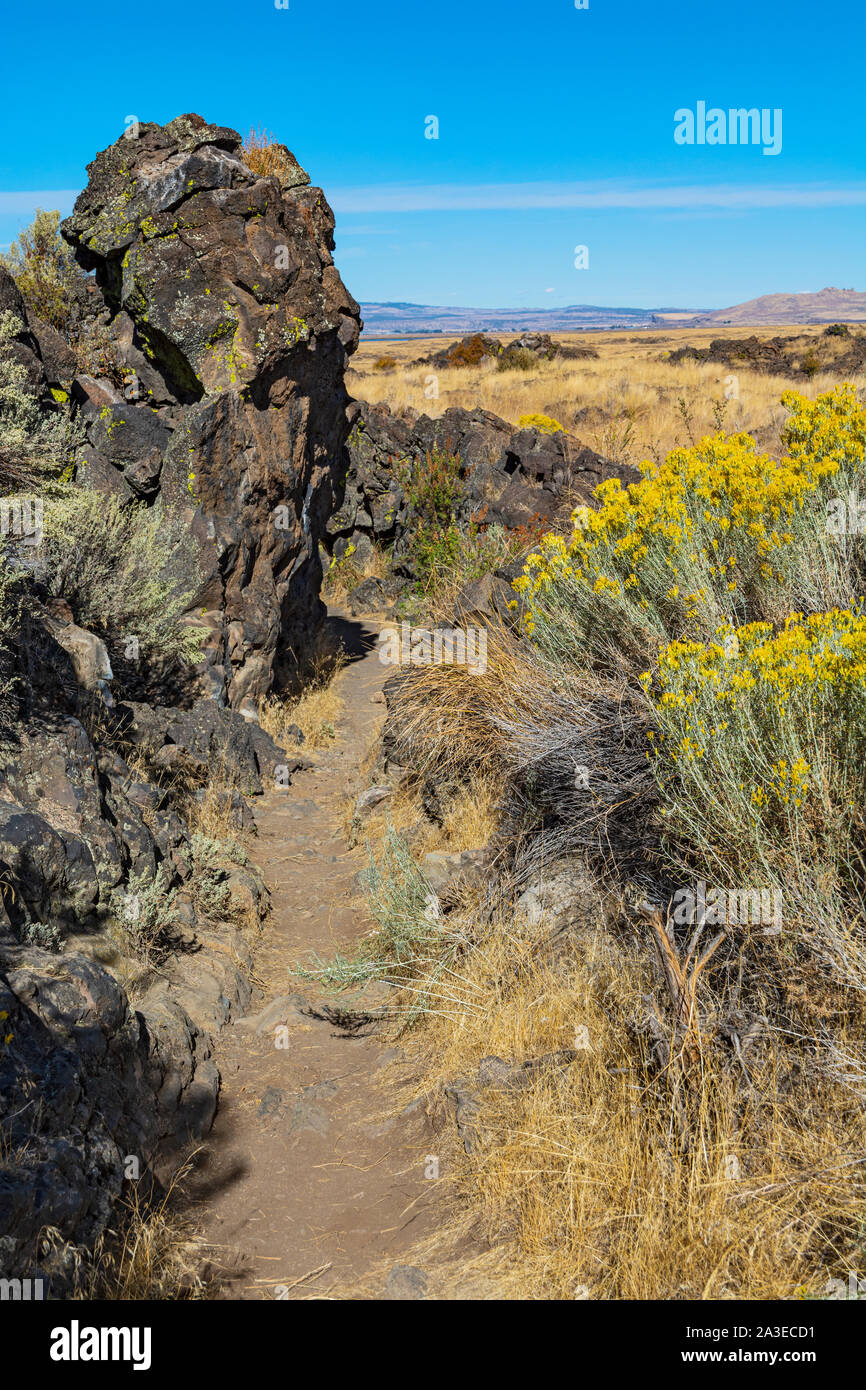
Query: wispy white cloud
{"points": [[362, 230], [452, 197], [26, 203], [455, 197]]}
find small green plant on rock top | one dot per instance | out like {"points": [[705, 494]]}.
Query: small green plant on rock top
{"points": [[266, 156]]}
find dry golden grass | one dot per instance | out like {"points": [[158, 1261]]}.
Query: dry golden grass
{"points": [[343, 575], [625, 404], [315, 713], [583, 1176], [154, 1253], [212, 814], [317, 705], [468, 822], [454, 718], [614, 1176], [265, 155]]}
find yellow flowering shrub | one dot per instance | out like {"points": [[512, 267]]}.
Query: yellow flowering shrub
{"points": [[545, 423], [718, 576], [717, 533], [760, 738]]}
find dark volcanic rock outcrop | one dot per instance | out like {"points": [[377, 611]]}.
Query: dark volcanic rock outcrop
{"points": [[798, 356], [91, 849], [544, 348], [511, 478], [468, 352], [89, 1090], [477, 348], [233, 325]]}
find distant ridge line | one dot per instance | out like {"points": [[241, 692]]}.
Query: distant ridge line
{"points": [[830, 305]]}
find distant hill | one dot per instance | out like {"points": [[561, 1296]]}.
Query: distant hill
{"points": [[826, 306], [389, 319]]}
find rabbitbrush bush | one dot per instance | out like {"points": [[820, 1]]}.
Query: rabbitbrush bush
{"points": [[720, 574]]}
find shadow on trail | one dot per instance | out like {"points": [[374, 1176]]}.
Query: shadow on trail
{"points": [[356, 639]]}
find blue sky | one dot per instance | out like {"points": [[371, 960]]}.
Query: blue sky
{"points": [[556, 129]]}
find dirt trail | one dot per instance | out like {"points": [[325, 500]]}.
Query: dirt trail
{"points": [[311, 1175]]}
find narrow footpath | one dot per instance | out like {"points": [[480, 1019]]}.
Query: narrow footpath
{"points": [[314, 1172]]}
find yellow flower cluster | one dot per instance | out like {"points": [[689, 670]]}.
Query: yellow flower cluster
{"points": [[824, 649], [755, 704], [791, 779], [705, 520], [828, 433], [545, 423]]}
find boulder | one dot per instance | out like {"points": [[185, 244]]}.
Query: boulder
{"points": [[207, 741], [49, 874], [544, 348], [131, 439], [484, 600], [470, 351], [81, 1049], [367, 597], [87, 652], [58, 359], [370, 799], [443, 869]]}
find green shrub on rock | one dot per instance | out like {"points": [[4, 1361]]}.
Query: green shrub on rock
{"points": [[45, 270], [112, 565]]}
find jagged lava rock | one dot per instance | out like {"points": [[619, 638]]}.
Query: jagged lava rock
{"points": [[224, 283], [510, 477]]}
